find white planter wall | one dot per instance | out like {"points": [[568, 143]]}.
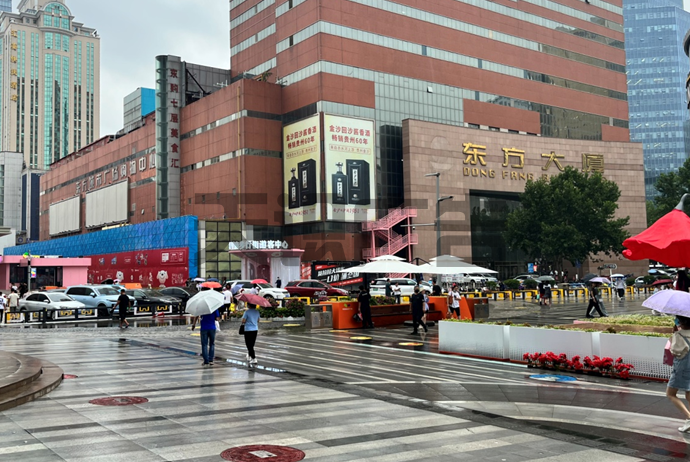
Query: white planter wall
{"points": [[645, 353], [511, 342], [473, 339], [530, 340]]}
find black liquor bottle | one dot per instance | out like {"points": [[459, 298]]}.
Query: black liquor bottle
{"points": [[339, 181], [306, 171], [358, 182], [293, 191]]}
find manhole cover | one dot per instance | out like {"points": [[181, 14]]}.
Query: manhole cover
{"points": [[360, 338], [69, 376], [553, 378], [410, 344], [262, 452], [119, 401]]}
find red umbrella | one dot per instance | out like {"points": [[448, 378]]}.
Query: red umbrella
{"points": [[662, 282], [666, 241], [254, 300], [259, 281], [211, 285]]}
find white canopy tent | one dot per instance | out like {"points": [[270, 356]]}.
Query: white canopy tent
{"points": [[449, 264]]}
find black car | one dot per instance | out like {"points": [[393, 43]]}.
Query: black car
{"points": [[178, 292], [152, 301]]}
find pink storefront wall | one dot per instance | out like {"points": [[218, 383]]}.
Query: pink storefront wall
{"points": [[72, 276]]}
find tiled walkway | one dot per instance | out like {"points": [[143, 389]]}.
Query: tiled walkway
{"points": [[195, 413]]}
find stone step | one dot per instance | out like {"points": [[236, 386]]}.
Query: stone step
{"points": [[25, 378]]}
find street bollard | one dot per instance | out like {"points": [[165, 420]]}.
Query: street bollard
{"points": [[44, 315]]}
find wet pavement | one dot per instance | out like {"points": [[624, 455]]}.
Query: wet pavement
{"points": [[378, 394]]}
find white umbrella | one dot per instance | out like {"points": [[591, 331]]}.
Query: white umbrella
{"points": [[387, 258], [204, 302], [199, 280], [617, 275], [383, 267], [669, 302], [447, 258], [448, 264], [600, 280]]}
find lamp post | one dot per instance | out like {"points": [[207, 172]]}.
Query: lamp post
{"points": [[439, 199]]}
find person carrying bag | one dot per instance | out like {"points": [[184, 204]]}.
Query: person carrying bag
{"points": [[680, 375]]}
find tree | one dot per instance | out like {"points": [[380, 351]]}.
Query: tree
{"points": [[568, 217], [671, 187]]}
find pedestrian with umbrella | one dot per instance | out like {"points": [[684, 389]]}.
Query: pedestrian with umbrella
{"points": [[204, 306], [676, 302], [595, 302], [250, 323]]}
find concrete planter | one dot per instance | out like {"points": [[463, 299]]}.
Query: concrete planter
{"points": [[512, 342]]}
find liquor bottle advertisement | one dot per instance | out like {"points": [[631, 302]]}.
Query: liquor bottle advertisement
{"points": [[350, 159], [301, 167]]}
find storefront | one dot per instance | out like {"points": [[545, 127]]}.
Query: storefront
{"points": [[45, 272], [268, 260]]}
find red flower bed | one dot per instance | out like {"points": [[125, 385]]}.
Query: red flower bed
{"points": [[594, 365]]}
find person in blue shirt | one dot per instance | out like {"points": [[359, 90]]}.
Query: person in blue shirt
{"points": [[250, 321], [208, 336]]}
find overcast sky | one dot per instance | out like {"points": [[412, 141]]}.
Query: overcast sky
{"points": [[134, 32]]}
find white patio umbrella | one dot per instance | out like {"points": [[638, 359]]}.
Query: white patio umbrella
{"points": [[446, 258], [204, 302], [383, 267], [387, 258]]}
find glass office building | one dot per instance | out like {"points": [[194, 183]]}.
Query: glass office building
{"points": [[6, 5], [656, 69]]}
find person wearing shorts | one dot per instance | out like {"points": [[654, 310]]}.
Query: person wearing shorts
{"points": [[455, 302]]}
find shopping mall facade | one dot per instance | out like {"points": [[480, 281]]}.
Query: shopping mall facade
{"points": [[318, 142]]}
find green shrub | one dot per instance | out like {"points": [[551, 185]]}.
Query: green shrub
{"points": [[649, 279], [376, 301], [530, 284], [630, 282], [512, 284], [491, 285]]}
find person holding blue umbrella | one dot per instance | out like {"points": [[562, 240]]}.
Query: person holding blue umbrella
{"points": [[204, 306]]}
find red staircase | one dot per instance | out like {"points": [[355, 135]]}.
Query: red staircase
{"points": [[382, 230]]}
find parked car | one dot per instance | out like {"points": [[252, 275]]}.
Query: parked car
{"points": [[265, 289], [151, 299], [313, 289], [522, 277], [378, 287], [182, 294], [102, 297], [639, 281], [50, 301]]}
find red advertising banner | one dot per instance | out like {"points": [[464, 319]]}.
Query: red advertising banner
{"points": [[166, 267]]}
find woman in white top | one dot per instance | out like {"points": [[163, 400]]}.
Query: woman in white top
{"points": [[397, 293]]}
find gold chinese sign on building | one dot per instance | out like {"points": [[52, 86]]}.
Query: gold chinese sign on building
{"points": [[14, 36], [514, 163]]}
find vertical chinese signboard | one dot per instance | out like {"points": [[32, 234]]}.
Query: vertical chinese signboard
{"points": [[169, 101], [350, 169], [301, 170]]}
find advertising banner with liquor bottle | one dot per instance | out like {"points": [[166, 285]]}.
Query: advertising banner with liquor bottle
{"points": [[350, 169], [301, 167]]}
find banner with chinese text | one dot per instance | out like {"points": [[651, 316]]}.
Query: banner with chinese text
{"points": [[301, 170], [350, 169]]}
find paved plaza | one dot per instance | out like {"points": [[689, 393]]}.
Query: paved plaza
{"points": [[369, 395]]}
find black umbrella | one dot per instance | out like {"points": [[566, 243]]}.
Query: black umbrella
{"points": [[588, 277]]}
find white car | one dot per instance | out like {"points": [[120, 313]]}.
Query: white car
{"points": [[378, 287], [50, 301], [266, 290]]}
